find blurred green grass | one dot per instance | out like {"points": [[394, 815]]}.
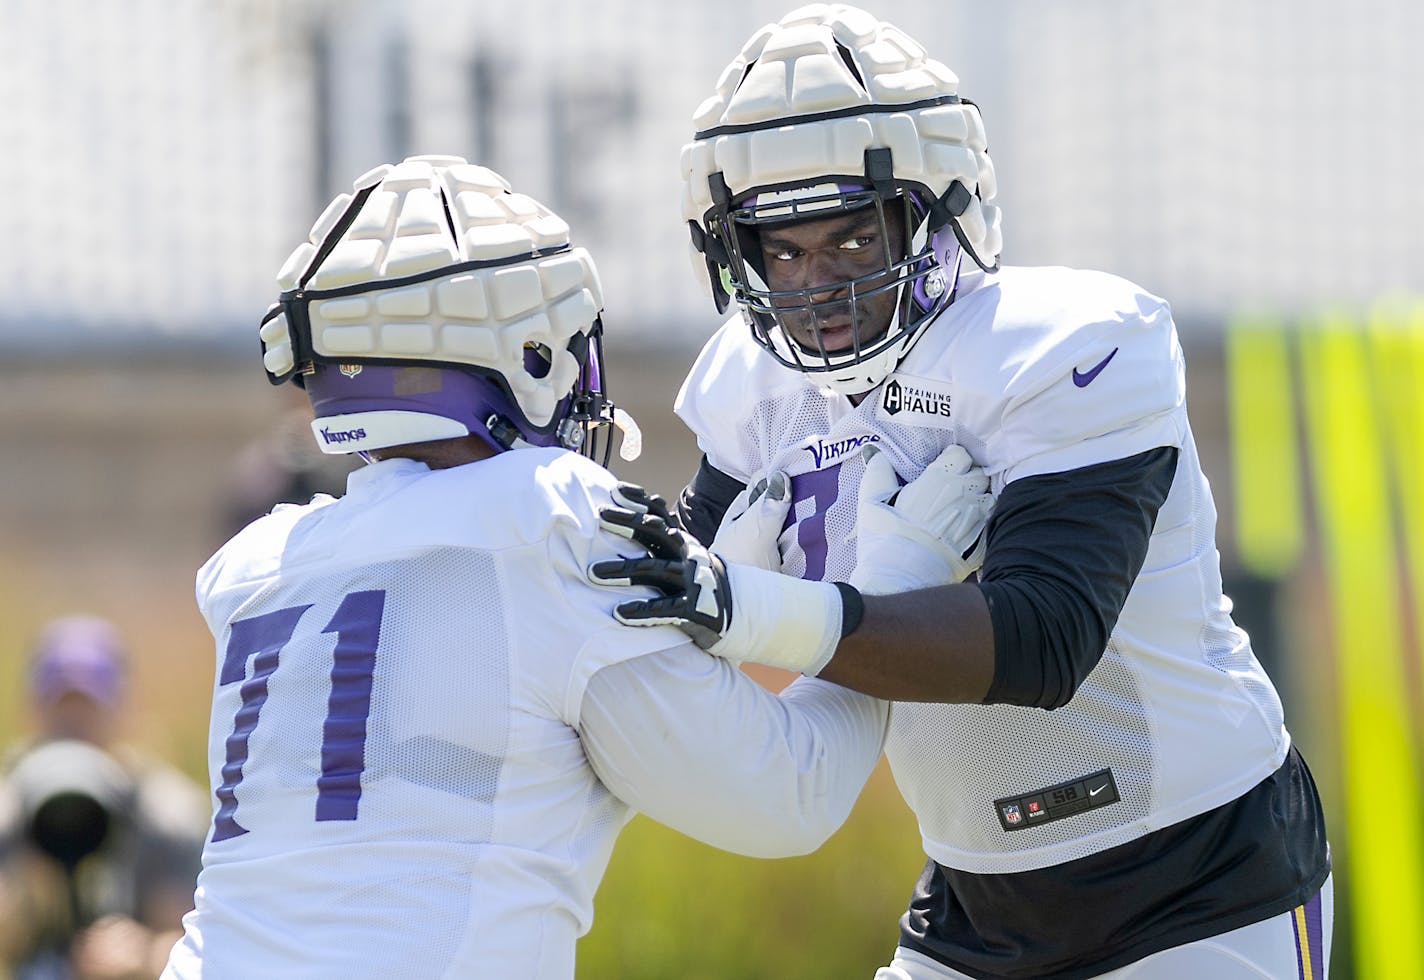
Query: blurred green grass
{"points": [[673, 907]]}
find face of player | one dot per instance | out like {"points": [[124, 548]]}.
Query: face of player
{"points": [[820, 258]]}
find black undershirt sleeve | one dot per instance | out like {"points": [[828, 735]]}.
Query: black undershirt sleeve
{"points": [[1063, 551], [699, 508]]}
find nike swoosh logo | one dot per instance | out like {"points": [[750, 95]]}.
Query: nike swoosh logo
{"points": [[1084, 378], [1095, 792]]}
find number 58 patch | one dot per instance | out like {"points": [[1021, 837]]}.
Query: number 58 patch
{"points": [[1056, 802]]}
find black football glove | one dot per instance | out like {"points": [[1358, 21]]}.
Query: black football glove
{"points": [[780, 620], [696, 594]]}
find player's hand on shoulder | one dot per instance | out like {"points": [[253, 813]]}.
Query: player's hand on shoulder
{"points": [[734, 611], [695, 593], [752, 525], [928, 532]]}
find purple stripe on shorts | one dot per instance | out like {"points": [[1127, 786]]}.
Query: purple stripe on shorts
{"points": [[1310, 948]]}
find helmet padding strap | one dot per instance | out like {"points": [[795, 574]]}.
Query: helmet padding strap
{"points": [[880, 171]]}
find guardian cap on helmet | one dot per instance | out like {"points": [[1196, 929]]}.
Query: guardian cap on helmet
{"points": [[828, 111], [435, 302]]}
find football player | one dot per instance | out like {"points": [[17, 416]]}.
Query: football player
{"points": [[427, 730], [1099, 765]]}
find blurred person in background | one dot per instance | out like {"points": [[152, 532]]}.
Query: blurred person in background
{"points": [[1100, 768], [99, 842], [279, 466], [427, 730]]}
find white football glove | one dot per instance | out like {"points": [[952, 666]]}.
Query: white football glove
{"points": [[929, 533], [752, 524]]}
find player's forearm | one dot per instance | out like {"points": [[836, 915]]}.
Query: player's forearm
{"points": [[695, 744], [930, 645]]}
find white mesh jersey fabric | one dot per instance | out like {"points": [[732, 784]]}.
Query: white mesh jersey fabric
{"points": [[1033, 371], [393, 727]]}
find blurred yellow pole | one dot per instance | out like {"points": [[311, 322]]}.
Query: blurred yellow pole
{"points": [[1264, 460], [1397, 348], [1380, 776]]}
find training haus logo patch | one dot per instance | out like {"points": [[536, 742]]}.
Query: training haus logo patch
{"points": [[915, 401]]}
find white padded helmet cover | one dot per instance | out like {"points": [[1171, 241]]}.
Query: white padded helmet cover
{"points": [[793, 70], [483, 317]]}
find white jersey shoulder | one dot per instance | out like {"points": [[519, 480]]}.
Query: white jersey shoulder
{"points": [[1063, 367], [734, 376]]}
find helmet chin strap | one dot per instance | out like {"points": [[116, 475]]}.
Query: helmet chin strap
{"points": [[505, 432], [571, 433]]}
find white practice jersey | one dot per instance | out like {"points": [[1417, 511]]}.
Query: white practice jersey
{"points": [[416, 694], [1033, 371]]}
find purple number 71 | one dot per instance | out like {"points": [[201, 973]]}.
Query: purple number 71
{"points": [[357, 625]]}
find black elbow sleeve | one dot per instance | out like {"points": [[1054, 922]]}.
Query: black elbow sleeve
{"points": [[1063, 552], [699, 508], [1044, 645]]}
